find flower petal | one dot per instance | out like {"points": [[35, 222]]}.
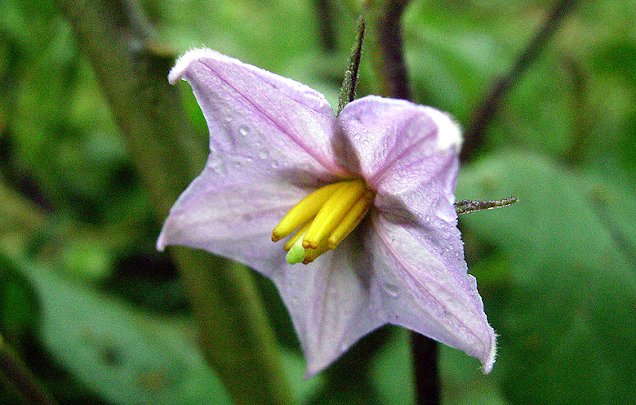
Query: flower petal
{"points": [[424, 285], [255, 115], [329, 303], [397, 141], [271, 142], [232, 216]]}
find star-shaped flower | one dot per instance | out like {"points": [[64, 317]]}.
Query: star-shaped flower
{"points": [[379, 229]]}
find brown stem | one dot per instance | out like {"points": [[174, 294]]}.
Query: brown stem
{"points": [[425, 356], [387, 53], [488, 108], [386, 47], [327, 30]]}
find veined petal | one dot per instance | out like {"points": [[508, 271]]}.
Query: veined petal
{"points": [[407, 153], [396, 141], [271, 142], [232, 216], [255, 115], [329, 303], [422, 282]]}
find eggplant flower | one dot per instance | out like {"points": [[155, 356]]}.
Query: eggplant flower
{"points": [[364, 199]]}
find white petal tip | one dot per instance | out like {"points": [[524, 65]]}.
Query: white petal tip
{"points": [[161, 242], [486, 368], [186, 59], [449, 133]]}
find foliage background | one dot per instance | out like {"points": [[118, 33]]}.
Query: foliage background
{"points": [[100, 317]]}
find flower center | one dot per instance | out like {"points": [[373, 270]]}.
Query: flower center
{"points": [[323, 219]]}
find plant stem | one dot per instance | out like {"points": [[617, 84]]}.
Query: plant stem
{"points": [[387, 54], [327, 33], [132, 69], [386, 47], [487, 109], [350, 82], [427, 384], [15, 372]]}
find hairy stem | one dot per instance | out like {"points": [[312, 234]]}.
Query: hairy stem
{"points": [[487, 109], [132, 67], [350, 82]]}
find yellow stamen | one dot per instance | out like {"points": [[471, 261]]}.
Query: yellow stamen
{"points": [[301, 232], [351, 220], [312, 254], [304, 211], [332, 212], [323, 219]]}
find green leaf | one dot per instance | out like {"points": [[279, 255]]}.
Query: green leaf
{"points": [[566, 317], [392, 370], [125, 355]]}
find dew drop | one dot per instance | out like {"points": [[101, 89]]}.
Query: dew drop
{"points": [[391, 289], [216, 164], [243, 130]]}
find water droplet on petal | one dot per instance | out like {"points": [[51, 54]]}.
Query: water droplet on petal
{"points": [[216, 163], [391, 289], [243, 130]]}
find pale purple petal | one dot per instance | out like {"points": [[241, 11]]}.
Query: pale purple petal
{"points": [[257, 116], [417, 281], [271, 142], [233, 217], [402, 148], [409, 155], [329, 303]]}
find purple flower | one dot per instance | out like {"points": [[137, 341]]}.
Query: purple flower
{"points": [[384, 171]]}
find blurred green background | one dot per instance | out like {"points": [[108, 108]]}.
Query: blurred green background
{"points": [[100, 317]]}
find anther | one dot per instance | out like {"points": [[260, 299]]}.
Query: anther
{"points": [[332, 212], [306, 208], [323, 219]]}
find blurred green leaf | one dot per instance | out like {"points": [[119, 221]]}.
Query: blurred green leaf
{"points": [[392, 370], [126, 356], [18, 304], [567, 317]]}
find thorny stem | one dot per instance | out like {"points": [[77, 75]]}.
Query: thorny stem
{"points": [[350, 81], [488, 107], [14, 371], [466, 206]]}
